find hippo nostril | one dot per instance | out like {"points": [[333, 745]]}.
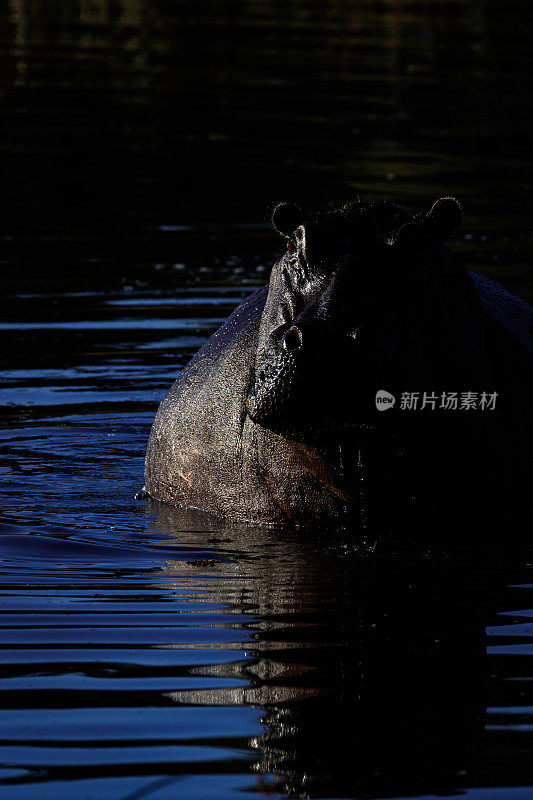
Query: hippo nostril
{"points": [[292, 339]]}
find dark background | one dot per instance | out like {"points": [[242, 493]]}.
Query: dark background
{"points": [[151, 652], [118, 117]]}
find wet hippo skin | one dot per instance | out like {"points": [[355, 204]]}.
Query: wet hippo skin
{"points": [[275, 418]]}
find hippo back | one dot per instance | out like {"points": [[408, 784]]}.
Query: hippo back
{"points": [[195, 441], [506, 312]]}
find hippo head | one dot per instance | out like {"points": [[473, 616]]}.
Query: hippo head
{"points": [[365, 298]]}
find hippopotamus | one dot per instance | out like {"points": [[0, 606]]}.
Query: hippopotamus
{"points": [[374, 374]]}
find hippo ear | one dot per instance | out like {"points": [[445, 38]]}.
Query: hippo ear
{"points": [[286, 218], [444, 218]]}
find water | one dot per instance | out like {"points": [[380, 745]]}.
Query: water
{"points": [[153, 652]]}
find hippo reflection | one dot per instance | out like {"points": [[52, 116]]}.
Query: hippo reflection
{"points": [[276, 417], [367, 662]]}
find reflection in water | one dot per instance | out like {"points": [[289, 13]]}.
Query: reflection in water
{"points": [[369, 659], [150, 651], [122, 117]]}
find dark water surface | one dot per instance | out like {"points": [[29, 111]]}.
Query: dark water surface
{"points": [[149, 652]]}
